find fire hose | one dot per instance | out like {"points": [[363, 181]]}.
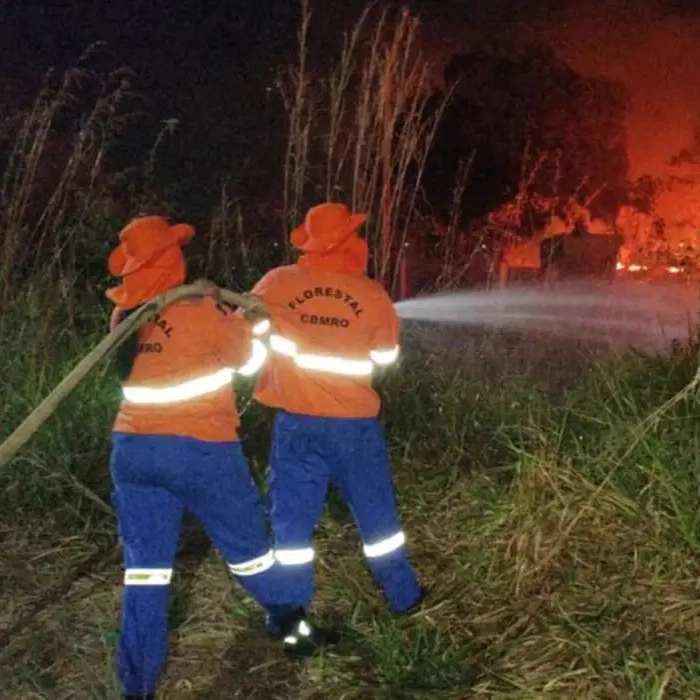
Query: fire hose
{"points": [[21, 435]]}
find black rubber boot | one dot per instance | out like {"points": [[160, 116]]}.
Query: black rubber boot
{"points": [[301, 637]]}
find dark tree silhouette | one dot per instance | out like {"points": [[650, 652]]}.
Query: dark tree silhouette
{"points": [[511, 101]]}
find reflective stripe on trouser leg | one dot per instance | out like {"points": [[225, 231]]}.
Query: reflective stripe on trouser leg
{"points": [[253, 567], [295, 557], [385, 546], [147, 577], [363, 476]]}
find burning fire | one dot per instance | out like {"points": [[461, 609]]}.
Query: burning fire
{"points": [[639, 268]]}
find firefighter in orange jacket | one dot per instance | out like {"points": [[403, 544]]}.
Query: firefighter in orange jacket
{"points": [[175, 447], [332, 327]]}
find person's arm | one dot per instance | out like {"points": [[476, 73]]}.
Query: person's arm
{"points": [[387, 335], [238, 348]]}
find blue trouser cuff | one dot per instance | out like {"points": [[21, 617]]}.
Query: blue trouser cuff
{"points": [[397, 579]]}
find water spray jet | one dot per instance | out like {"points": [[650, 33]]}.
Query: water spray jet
{"points": [[624, 314]]}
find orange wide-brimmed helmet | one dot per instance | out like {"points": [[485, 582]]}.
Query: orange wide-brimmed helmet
{"points": [[328, 238], [149, 260]]}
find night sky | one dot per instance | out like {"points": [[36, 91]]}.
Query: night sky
{"points": [[181, 38], [199, 58]]}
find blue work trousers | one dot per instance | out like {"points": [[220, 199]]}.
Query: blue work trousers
{"points": [[155, 479], [309, 453]]}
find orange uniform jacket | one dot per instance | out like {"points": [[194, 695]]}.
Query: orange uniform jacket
{"points": [[194, 342], [330, 330]]}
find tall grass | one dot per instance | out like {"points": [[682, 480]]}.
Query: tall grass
{"points": [[557, 529], [53, 163], [361, 133]]}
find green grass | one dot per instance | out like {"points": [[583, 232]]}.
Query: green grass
{"points": [[560, 541]]}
